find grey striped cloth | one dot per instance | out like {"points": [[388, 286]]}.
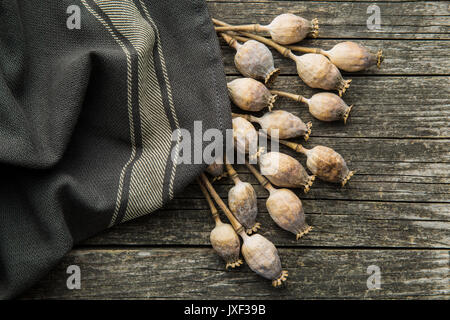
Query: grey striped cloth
{"points": [[89, 117]]}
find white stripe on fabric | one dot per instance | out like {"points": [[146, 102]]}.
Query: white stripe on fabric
{"points": [[129, 105], [169, 94], [147, 178]]}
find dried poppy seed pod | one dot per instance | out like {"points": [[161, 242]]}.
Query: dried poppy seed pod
{"points": [[324, 162], [325, 106], [259, 253], [350, 56], [318, 72], [244, 136], [286, 28], [226, 243], [284, 207], [284, 171], [242, 202], [250, 95], [262, 257], [216, 170], [224, 239], [287, 124], [328, 165], [253, 59]]}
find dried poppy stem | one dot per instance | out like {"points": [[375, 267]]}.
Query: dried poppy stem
{"points": [[286, 124], [218, 22], [325, 106], [212, 207], [238, 37], [286, 28], [223, 238], [283, 50], [294, 146], [234, 222], [242, 201], [230, 33], [306, 49], [284, 207], [259, 253], [244, 27], [292, 96], [231, 41]]}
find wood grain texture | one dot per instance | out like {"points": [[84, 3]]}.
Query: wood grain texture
{"points": [[338, 225], [384, 107], [411, 57], [394, 213], [197, 273], [346, 20], [362, 188]]}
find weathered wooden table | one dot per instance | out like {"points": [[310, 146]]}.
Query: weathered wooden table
{"points": [[394, 213]]}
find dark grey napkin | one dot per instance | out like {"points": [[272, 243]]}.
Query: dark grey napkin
{"points": [[87, 116]]}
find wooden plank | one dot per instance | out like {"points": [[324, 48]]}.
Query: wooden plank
{"points": [[384, 107], [402, 57], [362, 186], [197, 273], [386, 170], [367, 209], [342, 20], [396, 139], [360, 214], [358, 190], [357, 150], [275, 1], [334, 226], [383, 154]]}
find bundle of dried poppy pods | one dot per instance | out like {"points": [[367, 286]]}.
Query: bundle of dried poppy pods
{"points": [[224, 239], [259, 253], [317, 68]]}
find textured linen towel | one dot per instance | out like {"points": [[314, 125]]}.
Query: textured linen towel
{"points": [[87, 115]]}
